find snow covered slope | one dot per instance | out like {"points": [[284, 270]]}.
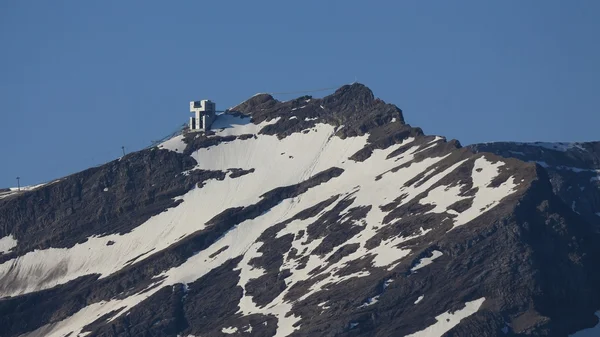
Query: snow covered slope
{"points": [[309, 217]]}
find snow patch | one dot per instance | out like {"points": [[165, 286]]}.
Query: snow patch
{"points": [[302, 107], [427, 260], [175, 144], [370, 301], [29, 188], [485, 198], [230, 330], [231, 125], [7, 243], [323, 305], [419, 299], [388, 251], [16, 190], [447, 320]]}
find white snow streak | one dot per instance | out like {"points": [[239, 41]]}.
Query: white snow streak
{"points": [[419, 299], [302, 107], [427, 260], [370, 301], [29, 188], [573, 205], [16, 190], [447, 320]]}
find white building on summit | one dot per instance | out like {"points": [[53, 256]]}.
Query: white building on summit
{"points": [[205, 114]]}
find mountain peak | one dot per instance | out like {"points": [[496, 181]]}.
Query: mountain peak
{"points": [[353, 106], [255, 102], [352, 97]]}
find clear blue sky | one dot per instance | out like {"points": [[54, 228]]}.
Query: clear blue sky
{"points": [[79, 79]]}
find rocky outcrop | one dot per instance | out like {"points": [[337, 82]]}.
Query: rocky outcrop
{"points": [[573, 169], [112, 198], [353, 108]]}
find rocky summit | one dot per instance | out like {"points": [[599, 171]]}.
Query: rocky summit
{"points": [[309, 217]]}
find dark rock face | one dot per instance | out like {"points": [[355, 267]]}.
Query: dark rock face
{"points": [[573, 168], [113, 198], [25, 313], [527, 254], [352, 107]]}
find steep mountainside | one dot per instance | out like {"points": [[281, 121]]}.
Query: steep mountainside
{"points": [[574, 170], [311, 217]]}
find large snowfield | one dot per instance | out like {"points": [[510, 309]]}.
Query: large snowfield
{"points": [[276, 162]]}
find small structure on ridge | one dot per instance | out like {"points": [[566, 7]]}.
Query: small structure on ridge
{"points": [[205, 114]]}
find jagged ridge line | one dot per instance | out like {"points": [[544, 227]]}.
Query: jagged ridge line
{"points": [[305, 91], [181, 128]]}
